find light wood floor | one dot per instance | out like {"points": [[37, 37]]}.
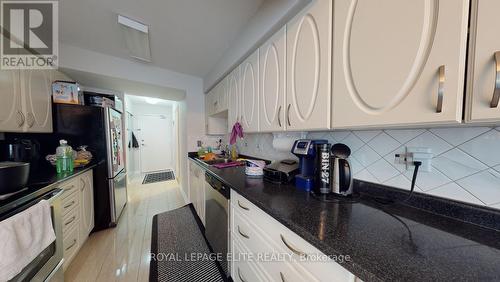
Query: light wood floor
{"points": [[122, 253]]}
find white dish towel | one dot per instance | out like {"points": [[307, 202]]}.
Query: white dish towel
{"points": [[23, 237]]}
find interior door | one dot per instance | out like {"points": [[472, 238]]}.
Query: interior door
{"points": [[156, 143], [12, 117], [115, 143], [398, 62], [484, 69], [250, 93], [38, 93], [272, 57], [309, 41], [233, 97]]}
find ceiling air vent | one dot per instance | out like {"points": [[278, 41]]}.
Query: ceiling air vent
{"points": [[136, 38]]}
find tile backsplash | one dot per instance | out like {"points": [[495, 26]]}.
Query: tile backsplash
{"points": [[465, 164]]}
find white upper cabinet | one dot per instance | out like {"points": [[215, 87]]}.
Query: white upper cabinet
{"points": [[250, 93], [308, 52], [38, 95], [484, 67], [398, 62], [272, 68], [233, 85], [12, 116]]}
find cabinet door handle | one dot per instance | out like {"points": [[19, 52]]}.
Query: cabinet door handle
{"points": [[496, 93], [31, 120], [239, 275], [69, 222], [72, 245], [295, 251], [20, 120], [442, 79], [83, 184], [242, 206], [69, 205], [288, 114], [243, 234], [279, 116], [282, 276]]}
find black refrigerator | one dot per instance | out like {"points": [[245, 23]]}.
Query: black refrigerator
{"points": [[101, 129]]}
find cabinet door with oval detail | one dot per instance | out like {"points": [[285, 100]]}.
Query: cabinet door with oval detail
{"points": [[398, 62], [38, 93], [250, 93], [12, 117], [308, 92], [233, 86]]}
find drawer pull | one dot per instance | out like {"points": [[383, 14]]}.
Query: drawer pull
{"points": [[442, 79], [239, 275], [72, 245], [70, 221], [243, 234], [69, 205], [496, 93], [242, 206], [282, 276], [295, 251], [69, 188]]}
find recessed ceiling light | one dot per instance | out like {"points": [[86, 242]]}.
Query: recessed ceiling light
{"points": [[136, 38]]}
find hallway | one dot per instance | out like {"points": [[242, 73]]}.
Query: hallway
{"points": [[122, 253]]}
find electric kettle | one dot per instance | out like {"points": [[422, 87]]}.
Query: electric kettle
{"points": [[340, 170]]}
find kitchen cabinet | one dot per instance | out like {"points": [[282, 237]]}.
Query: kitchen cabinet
{"points": [[12, 111], [216, 110], [197, 189], [272, 69], [483, 91], [250, 93], [308, 64], [77, 213], [233, 94], [398, 62]]}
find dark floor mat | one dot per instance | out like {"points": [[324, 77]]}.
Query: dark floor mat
{"points": [[175, 238], [158, 177]]}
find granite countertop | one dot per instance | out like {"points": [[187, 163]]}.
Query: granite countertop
{"points": [[385, 243]]}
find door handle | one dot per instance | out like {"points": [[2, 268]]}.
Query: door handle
{"points": [[279, 114], [20, 120], [288, 114], [239, 275], [442, 79], [282, 276], [295, 251], [496, 93], [83, 184], [243, 234], [242, 206], [31, 120]]}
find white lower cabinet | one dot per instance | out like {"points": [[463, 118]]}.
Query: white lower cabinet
{"points": [[77, 213], [197, 189], [272, 249]]}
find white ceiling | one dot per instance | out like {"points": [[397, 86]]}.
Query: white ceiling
{"points": [[187, 36], [141, 100]]}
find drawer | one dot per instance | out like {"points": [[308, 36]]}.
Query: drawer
{"points": [[242, 269], [69, 187], [71, 219], [286, 241], [70, 202], [71, 244]]}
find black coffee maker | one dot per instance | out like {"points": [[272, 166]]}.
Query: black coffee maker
{"points": [[20, 150], [333, 170]]}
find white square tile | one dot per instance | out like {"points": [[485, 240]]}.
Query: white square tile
{"points": [[484, 148], [367, 135], [391, 159], [365, 175], [498, 128], [317, 135], [340, 135], [456, 164], [484, 185], [366, 156], [459, 135], [495, 206], [455, 192], [404, 135], [497, 168], [382, 170], [400, 182], [428, 180], [430, 140], [355, 165], [353, 142], [383, 144]]}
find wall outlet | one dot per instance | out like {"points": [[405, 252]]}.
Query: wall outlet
{"points": [[416, 154]]}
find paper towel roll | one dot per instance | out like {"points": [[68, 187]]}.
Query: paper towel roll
{"points": [[283, 141]]}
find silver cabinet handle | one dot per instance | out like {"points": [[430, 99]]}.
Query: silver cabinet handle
{"points": [[72, 245], [239, 275], [288, 114], [71, 220], [295, 251], [20, 120], [279, 116], [496, 93], [70, 204], [243, 234], [243, 207], [282, 276], [442, 79], [31, 120]]}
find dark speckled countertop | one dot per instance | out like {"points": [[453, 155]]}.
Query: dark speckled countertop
{"points": [[385, 243]]}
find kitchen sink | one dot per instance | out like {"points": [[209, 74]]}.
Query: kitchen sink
{"points": [[216, 161]]}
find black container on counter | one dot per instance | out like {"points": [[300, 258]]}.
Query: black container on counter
{"points": [[322, 179]]}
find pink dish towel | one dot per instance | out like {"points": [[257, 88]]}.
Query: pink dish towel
{"points": [[230, 164], [236, 132]]}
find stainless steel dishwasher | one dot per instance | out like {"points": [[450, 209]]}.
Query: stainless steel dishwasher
{"points": [[217, 219]]}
